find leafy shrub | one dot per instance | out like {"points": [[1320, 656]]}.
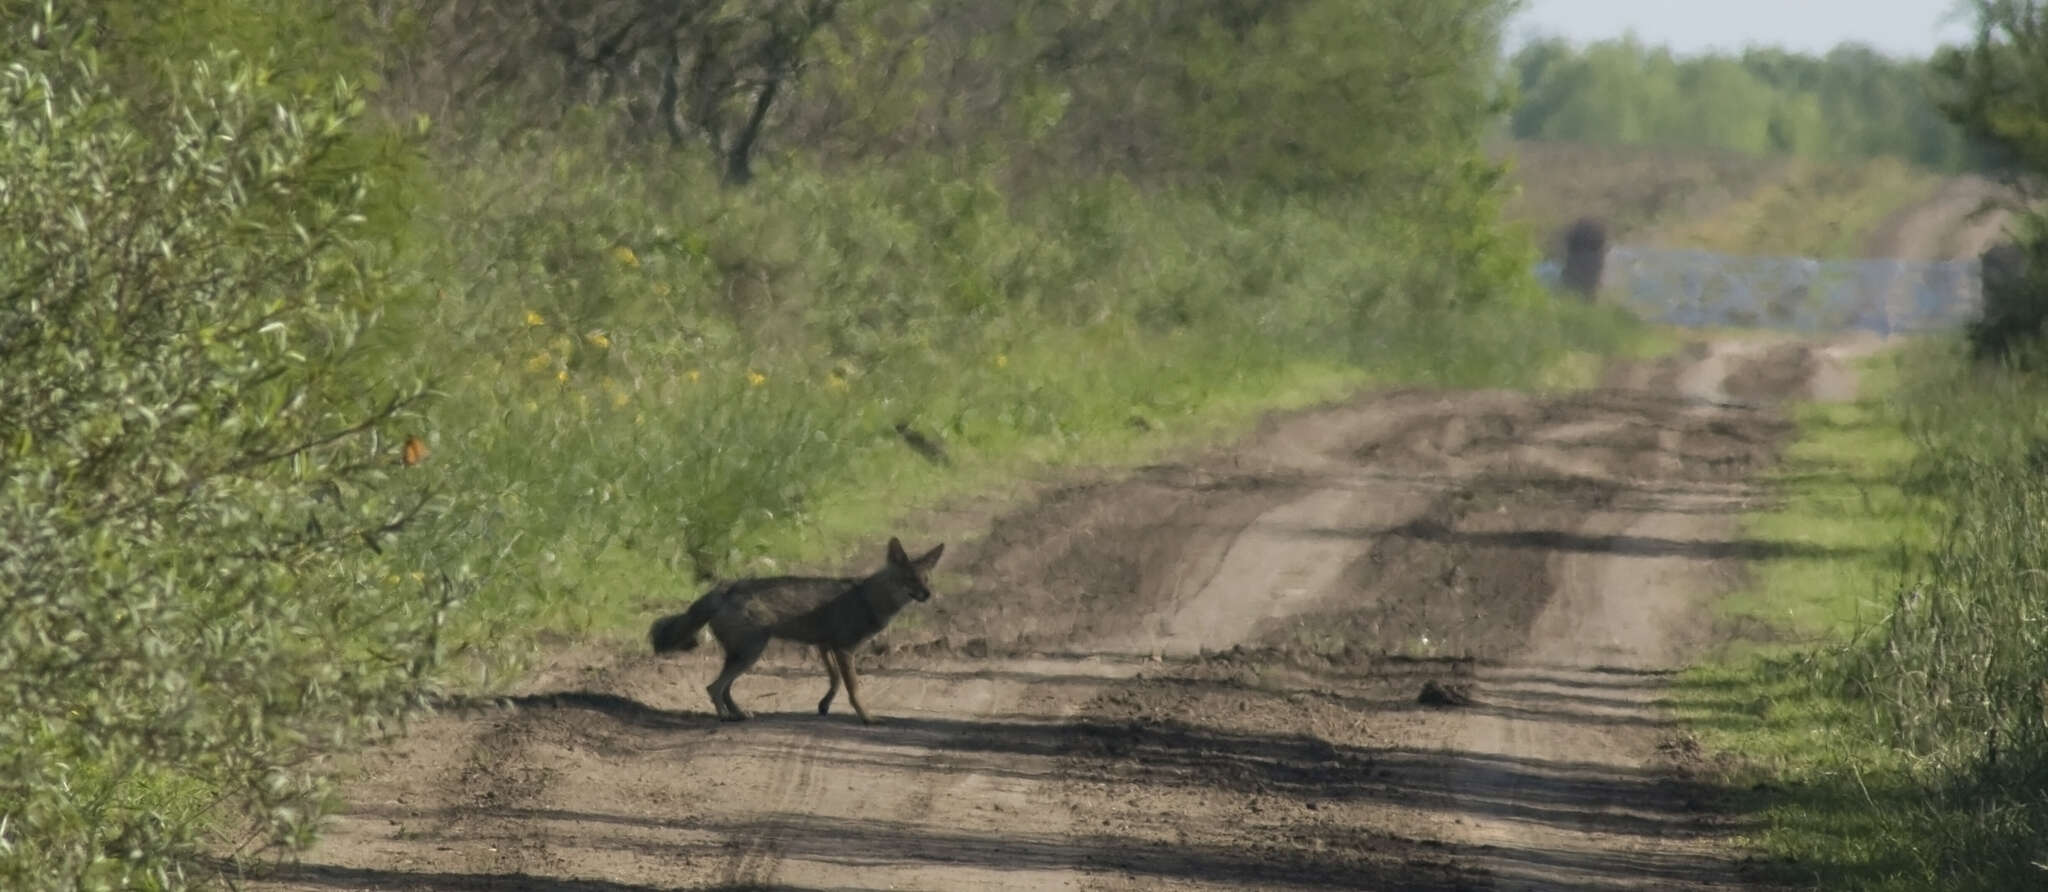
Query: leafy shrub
{"points": [[205, 522], [1993, 90], [2015, 310]]}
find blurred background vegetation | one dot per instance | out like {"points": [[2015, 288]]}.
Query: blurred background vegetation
{"points": [[1853, 103]]}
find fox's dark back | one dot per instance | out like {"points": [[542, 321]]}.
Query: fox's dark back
{"points": [[772, 599], [811, 610]]}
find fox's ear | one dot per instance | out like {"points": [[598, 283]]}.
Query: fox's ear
{"points": [[896, 555], [930, 558]]}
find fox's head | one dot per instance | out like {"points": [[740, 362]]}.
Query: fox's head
{"points": [[916, 570]]}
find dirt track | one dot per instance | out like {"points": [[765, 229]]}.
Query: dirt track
{"points": [[1958, 221], [1201, 675]]}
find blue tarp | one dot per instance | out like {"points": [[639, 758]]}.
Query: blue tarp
{"points": [[1700, 288]]}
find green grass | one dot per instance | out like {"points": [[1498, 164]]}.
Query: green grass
{"points": [[1856, 787], [1848, 526]]}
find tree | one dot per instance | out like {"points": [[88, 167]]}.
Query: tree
{"points": [[1996, 89], [710, 72], [1853, 102]]}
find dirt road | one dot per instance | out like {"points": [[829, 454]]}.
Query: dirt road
{"points": [[1959, 221], [1201, 675]]}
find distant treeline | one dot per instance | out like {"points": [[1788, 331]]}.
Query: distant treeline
{"points": [[1852, 103]]}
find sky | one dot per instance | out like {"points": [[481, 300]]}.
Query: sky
{"points": [[1900, 27]]}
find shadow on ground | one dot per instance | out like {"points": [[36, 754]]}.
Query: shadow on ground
{"points": [[1307, 770]]}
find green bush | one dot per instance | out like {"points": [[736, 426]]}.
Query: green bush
{"points": [[206, 566], [1993, 90], [2015, 309]]}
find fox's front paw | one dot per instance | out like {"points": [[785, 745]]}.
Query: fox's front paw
{"points": [[824, 706], [866, 719], [733, 717]]}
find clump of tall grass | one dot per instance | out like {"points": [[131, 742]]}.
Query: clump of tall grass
{"points": [[1955, 672]]}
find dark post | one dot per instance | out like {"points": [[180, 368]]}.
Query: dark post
{"points": [[1585, 254]]}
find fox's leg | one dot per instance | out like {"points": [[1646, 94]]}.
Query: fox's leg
{"points": [[737, 660], [712, 689], [831, 672], [852, 686]]}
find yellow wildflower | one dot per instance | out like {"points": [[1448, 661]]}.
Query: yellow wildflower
{"points": [[693, 375], [391, 580], [755, 378], [661, 289], [1002, 360], [562, 375], [562, 344], [532, 406], [597, 339], [533, 318], [539, 361], [835, 382], [625, 256], [620, 399], [639, 418]]}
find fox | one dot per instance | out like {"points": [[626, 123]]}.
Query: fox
{"points": [[833, 614]]}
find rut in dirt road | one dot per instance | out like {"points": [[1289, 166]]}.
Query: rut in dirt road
{"points": [[1199, 675]]}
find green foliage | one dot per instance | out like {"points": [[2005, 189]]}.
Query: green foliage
{"points": [[1959, 660], [2015, 310], [1297, 117], [1995, 92], [297, 39], [195, 467], [1307, 94], [1852, 103], [1901, 739]]}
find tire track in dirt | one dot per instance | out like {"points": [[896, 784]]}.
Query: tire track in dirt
{"points": [[1200, 675], [1564, 570], [1623, 607]]}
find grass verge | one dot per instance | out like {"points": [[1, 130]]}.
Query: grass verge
{"points": [[1857, 786]]}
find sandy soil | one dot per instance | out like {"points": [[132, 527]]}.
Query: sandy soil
{"points": [[1204, 674], [1959, 221]]}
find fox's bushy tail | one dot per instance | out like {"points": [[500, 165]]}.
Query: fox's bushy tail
{"points": [[680, 631]]}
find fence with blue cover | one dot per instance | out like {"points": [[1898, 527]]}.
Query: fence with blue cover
{"points": [[1700, 288]]}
